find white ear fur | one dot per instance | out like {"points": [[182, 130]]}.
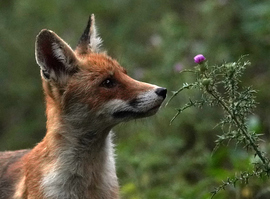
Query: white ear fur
{"points": [[58, 53], [95, 41], [61, 55]]}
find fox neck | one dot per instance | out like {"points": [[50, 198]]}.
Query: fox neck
{"points": [[84, 153], [75, 124]]}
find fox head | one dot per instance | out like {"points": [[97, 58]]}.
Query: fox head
{"points": [[88, 88]]}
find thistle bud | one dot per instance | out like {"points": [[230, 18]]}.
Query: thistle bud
{"points": [[199, 59], [206, 81]]}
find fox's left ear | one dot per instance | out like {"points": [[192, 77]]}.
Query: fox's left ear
{"points": [[54, 56], [89, 41]]}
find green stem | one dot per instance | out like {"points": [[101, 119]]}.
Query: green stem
{"points": [[186, 86], [243, 131]]}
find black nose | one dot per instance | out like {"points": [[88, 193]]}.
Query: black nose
{"points": [[161, 92]]}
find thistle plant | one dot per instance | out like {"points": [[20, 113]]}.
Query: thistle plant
{"points": [[220, 86]]}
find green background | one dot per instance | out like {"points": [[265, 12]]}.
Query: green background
{"points": [[153, 40]]}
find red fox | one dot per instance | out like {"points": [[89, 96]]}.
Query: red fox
{"points": [[87, 93]]}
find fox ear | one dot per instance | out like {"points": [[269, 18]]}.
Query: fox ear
{"points": [[89, 41], [54, 56]]}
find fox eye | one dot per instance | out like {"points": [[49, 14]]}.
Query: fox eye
{"points": [[108, 83]]}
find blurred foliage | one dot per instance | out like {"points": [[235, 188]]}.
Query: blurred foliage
{"points": [[153, 40]]}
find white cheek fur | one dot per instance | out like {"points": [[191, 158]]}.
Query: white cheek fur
{"points": [[144, 102]]}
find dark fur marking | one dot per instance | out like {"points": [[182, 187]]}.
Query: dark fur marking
{"points": [[134, 102], [85, 38], [46, 74], [127, 114]]}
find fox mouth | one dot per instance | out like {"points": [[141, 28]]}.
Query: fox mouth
{"points": [[144, 105], [135, 114]]}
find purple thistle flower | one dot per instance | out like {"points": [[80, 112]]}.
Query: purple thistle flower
{"points": [[199, 58]]}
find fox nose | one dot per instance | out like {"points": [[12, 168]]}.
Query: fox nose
{"points": [[161, 92]]}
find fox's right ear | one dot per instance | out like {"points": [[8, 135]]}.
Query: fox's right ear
{"points": [[54, 56]]}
